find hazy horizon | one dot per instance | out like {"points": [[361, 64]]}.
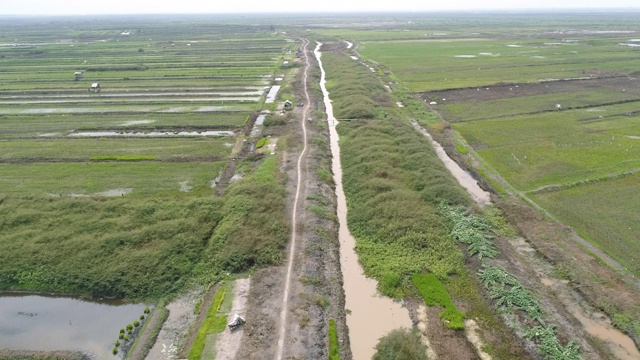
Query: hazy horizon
{"points": [[122, 7]]}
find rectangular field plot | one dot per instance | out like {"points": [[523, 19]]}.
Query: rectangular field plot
{"points": [[113, 178], [60, 125], [555, 148], [494, 101], [456, 63], [604, 212], [177, 149]]}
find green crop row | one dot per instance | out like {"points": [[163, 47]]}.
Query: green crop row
{"points": [[434, 294], [334, 348], [212, 324]]}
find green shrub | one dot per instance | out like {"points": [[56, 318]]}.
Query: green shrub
{"points": [[549, 345], [114, 351], [142, 317], [334, 350], [129, 326], [117, 344], [390, 285], [434, 294], [261, 142], [400, 344], [121, 331], [121, 336], [146, 310], [136, 323]]}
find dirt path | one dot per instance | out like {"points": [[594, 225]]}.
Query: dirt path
{"points": [[181, 316], [139, 352], [294, 214], [228, 342]]}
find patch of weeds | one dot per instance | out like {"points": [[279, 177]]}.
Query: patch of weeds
{"points": [[261, 142], [311, 280], [471, 230], [496, 221], [334, 349], [434, 294]]}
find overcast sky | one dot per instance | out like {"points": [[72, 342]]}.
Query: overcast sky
{"points": [[79, 7]]}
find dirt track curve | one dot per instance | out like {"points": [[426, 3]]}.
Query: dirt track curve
{"points": [[294, 213]]}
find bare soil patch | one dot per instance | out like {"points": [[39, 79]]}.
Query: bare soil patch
{"points": [[172, 335], [228, 342]]}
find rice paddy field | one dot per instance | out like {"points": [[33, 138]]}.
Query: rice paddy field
{"points": [[165, 92], [79, 165], [551, 103]]}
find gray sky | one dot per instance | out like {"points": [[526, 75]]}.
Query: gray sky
{"points": [[78, 7]]}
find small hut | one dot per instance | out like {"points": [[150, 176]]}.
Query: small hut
{"points": [[78, 75], [95, 87]]}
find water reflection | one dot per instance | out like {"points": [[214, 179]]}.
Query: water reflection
{"points": [[36, 322]]}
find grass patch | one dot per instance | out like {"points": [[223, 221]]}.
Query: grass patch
{"points": [[334, 349], [434, 294], [212, 324], [601, 212], [261, 142], [495, 185]]}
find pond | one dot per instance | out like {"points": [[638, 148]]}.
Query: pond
{"points": [[36, 322]]}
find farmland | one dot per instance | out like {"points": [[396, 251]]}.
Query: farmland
{"points": [[145, 152], [537, 112], [176, 176], [543, 107]]}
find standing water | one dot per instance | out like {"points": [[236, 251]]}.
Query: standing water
{"points": [[32, 322], [371, 315], [464, 178]]}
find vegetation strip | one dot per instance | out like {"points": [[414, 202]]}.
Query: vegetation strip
{"points": [[212, 324], [434, 294], [503, 288], [334, 347]]}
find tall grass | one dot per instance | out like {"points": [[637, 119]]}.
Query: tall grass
{"points": [[253, 230], [130, 247]]}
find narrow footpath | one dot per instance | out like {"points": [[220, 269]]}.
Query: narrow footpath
{"points": [[294, 213]]}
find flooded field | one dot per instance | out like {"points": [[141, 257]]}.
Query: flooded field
{"points": [[151, 133], [33, 322]]}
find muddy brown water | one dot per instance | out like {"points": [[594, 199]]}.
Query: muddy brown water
{"points": [[598, 326], [464, 178], [35, 322], [370, 316]]}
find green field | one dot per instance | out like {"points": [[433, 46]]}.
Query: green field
{"points": [[84, 149], [531, 151], [134, 217], [93, 177], [541, 106], [605, 211], [425, 65]]}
